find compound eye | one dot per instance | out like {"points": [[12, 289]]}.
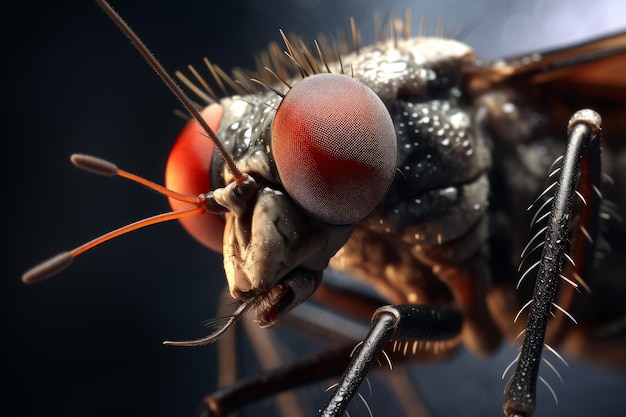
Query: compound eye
{"points": [[189, 171], [335, 147]]}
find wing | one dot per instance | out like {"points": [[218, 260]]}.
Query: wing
{"points": [[600, 63], [587, 75]]}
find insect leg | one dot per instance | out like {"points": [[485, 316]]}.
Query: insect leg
{"points": [[267, 349], [397, 322], [315, 367], [583, 145], [337, 314]]}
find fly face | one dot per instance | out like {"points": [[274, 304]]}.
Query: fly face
{"points": [[272, 251], [321, 163]]}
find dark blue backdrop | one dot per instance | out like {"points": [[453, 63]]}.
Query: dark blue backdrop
{"points": [[89, 341]]}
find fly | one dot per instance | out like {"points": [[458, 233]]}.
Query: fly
{"points": [[435, 267]]}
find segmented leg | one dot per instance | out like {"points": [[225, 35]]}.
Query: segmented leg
{"points": [[267, 350], [401, 323], [247, 390], [581, 157], [338, 314]]}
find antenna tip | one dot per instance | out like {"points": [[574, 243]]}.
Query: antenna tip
{"points": [[186, 343], [48, 268], [94, 164]]}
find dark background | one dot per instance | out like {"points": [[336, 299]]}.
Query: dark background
{"points": [[88, 342]]}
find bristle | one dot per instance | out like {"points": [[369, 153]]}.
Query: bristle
{"points": [[441, 28], [513, 362], [369, 410], [320, 54], [228, 79], [524, 307], [228, 322], [423, 27], [545, 192], [244, 80], [278, 78], [292, 55], [356, 37], [556, 400], [547, 362], [310, 60], [267, 86], [533, 266], [204, 84], [299, 57], [215, 75], [562, 310], [190, 85], [279, 61], [580, 197], [407, 24], [569, 281], [378, 30], [388, 359], [394, 31], [526, 252]]}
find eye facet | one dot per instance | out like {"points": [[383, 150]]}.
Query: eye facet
{"points": [[189, 171], [335, 147]]}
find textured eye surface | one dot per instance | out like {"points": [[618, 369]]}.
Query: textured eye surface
{"points": [[335, 147], [189, 171]]}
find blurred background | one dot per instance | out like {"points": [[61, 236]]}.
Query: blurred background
{"points": [[88, 342]]}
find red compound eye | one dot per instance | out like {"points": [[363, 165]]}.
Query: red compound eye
{"points": [[334, 145], [189, 171]]}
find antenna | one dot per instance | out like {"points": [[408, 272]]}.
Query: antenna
{"points": [[199, 204], [243, 185], [174, 88]]}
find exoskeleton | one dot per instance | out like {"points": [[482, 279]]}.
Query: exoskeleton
{"points": [[411, 164]]}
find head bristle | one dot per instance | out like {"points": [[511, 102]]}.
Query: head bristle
{"points": [[279, 78], [391, 28], [320, 54], [356, 36], [308, 57], [407, 24], [296, 56], [298, 65], [216, 77], [441, 28], [229, 80], [423, 27], [267, 86], [378, 29], [203, 83]]}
